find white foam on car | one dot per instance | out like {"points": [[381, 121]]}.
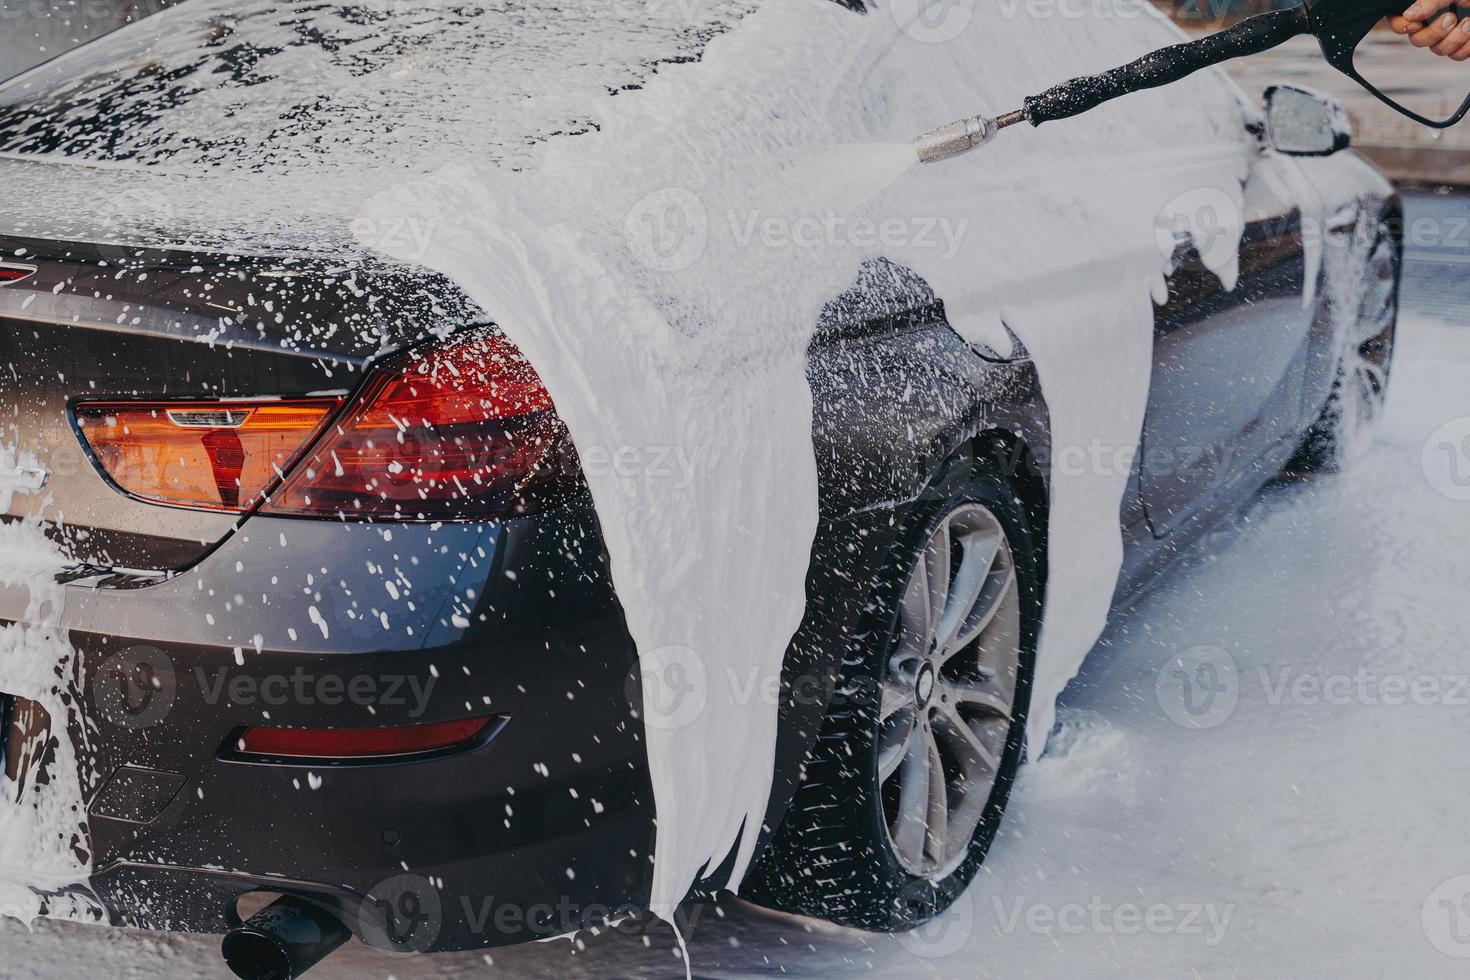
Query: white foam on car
{"points": [[44, 852], [658, 284]]}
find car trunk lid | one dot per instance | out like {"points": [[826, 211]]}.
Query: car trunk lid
{"points": [[84, 322]]}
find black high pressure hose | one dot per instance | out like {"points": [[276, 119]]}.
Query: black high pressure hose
{"points": [[1167, 65], [1338, 25]]}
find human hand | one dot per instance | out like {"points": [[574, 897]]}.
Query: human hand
{"points": [[1446, 34]]}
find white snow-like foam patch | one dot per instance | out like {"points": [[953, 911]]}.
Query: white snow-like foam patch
{"points": [[664, 275], [1086, 755], [44, 853]]}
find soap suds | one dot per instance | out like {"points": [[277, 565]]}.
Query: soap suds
{"points": [[619, 262], [44, 853]]}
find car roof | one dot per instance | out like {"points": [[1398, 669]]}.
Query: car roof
{"points": [[276, 85], [264, 124]]}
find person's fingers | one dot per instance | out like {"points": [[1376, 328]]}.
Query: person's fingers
{"points": [[1435, 32], [1401, 26], [1462, 53], [1454, 41], [1424, 10]]}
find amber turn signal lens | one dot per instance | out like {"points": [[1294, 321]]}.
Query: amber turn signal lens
{"points": [[214, 455]]}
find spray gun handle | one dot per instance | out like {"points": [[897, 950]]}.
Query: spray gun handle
{"points": [[1169, 64]]}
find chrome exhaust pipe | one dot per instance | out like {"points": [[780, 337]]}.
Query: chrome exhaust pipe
{"points": [[283, 940]]}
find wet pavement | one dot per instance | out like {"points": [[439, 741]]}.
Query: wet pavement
{"points": [[1437, 259]]}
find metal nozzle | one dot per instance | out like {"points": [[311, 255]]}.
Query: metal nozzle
{"points": [[962, 135]]}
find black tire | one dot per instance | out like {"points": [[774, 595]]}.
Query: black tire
{"points": [[1344, 429], [833, 855]]}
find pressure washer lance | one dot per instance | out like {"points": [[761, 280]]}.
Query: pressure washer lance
{"points": [[1339, 26]]}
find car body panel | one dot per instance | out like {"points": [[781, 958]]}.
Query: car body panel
{"points": [[1228, 366], [471, 603]]}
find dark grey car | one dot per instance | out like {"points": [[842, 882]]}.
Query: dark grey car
{"points": [[265, 356]]}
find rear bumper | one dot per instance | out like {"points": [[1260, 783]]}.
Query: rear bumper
{"points": [[542, 829]]}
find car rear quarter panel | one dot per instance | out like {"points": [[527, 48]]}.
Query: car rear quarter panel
{"points": [[895, 393]]}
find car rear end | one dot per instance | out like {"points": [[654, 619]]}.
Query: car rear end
{"points": [[342, 621]]}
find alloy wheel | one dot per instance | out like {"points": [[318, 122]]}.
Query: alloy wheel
{"points": [[948, 699]]}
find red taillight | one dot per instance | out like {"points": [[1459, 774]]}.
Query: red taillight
{"points": [[358, 743], [214, 455], [456, 433]]}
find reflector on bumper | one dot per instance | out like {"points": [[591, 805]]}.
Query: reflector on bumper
{"points": [[347, 745]]}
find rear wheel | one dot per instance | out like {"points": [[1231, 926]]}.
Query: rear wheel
{"points": [[904, 791], [1345, 429]]}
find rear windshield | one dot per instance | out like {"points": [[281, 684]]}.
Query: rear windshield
{"points": [[287, 84]]}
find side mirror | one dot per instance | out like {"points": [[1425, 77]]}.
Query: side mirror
{"points": [[1304, 123]]}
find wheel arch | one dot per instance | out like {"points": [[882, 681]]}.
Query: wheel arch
{"points": [[1021, 466], [1012, 462]]}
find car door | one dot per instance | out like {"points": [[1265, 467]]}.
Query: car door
{"points": [[1229, 364]]}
